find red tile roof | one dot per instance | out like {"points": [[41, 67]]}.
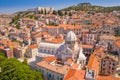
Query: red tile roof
{"points": [[107, 78], [74, 74], [49, 58], [33, 46]]}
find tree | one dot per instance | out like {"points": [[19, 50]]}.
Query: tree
{"points": [[2, 57], [12, 69], [93, 8], [45, 12], [60, 13], [65, 12], [70, 14], [17, 26], [25, 61], [15, 19], [41, 11], [54, 12]]}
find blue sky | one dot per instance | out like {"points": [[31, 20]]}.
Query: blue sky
{"points": [[11, 6]]}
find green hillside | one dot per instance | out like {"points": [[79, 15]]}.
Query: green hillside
{"points": [[92, 8]]}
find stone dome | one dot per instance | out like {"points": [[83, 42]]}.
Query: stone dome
{"points": [[71, 36]]}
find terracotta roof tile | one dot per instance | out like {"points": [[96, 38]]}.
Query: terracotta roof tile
{"points": [[59, 69], [107, 78], [117, 43], [93, 63], [33, 46], [74, 74], [49, 58], [87, 46]]}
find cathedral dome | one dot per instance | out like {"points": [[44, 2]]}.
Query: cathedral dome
{"points": [[71, 36]]}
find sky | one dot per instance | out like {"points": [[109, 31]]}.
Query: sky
{"points": [[11, 6]]}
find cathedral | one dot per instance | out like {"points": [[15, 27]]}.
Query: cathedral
{"points": [[68, 49]]}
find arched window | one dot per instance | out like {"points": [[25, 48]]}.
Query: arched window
{"points": [[53, 76], [48, 51], [57, 78], [44, 51], [49, 75], [61, 78], [40, 50]]}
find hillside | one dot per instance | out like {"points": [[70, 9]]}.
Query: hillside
{"points": [[90, 7]]}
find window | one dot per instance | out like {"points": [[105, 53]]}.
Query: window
{"points": [[110, 63], [104, 61], [57, 78], [40, 70], [109, 67], [113, 64], [44, 51], [49, 75], [103, 64], [61, 79], [53, 76], [40, 50], [103, 69], [112, 68]]}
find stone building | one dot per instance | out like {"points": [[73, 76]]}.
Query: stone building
{"points": [[47, 9], [108, 65]]}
